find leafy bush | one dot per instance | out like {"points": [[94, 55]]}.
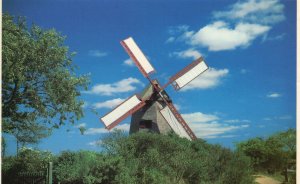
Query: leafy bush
{"points": [[171, 159], [143, 158], [28, 160], [238, 170], [72, 167]]}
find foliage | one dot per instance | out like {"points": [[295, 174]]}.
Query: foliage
{"points": [[30, 133], [28, 160], [143, 158], [154, 158], [276, 153], [82, 129], [38, 81], [254, 148], [238, 170], [71, 167], [86, 167], [104, 170]]}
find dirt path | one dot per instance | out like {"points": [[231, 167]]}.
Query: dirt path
{"points": [[261, 179]]}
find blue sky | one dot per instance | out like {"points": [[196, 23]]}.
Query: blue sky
{"points": [[250, 46]]}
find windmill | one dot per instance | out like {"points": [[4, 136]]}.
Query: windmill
{"points": [[153, 110]]}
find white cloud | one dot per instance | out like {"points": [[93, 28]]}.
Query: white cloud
{"points": [[95, 143], [170, 39], [81, 125], [258, 11], [272, 38], [220, 36], [237, 27], [108, 104], [97, 53], [213, 129], [199, 117], [237, 121], [124, 127], [206, 125], [274, 95], [285, 117], [227, 136], [209, 79], [189, 53], [178, 29], [129, 62], [94, 131], [122, 86]]}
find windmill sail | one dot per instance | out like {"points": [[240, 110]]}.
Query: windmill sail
{"points": [[137, 56], [177, 123], [189, 73], [122, 111], [173, 122]]}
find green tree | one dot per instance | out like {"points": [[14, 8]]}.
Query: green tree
{"points": [[276, 153], [256, 149], [39, 84], [29, 133], [285, 154], [238, 170]]}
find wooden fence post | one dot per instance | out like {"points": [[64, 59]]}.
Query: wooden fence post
{"points": [[49, 174]]}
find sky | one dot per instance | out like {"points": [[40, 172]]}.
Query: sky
{"points": [[250, 46]]}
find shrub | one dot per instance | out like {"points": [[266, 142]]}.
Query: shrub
{"points": [[238, 170], [171, 159], [28, 160], [72, 167], [141, 158]]}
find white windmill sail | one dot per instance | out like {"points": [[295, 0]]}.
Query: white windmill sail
{"points": [[174, 123], [122, 111], [137, 56], [189, 73]]}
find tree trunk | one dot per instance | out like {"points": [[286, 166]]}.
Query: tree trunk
{"points": [[286, 175], [3, 146], [17, 148]]}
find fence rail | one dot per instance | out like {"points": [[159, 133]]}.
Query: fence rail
{"points": [[40, 177], [29, 174]]}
